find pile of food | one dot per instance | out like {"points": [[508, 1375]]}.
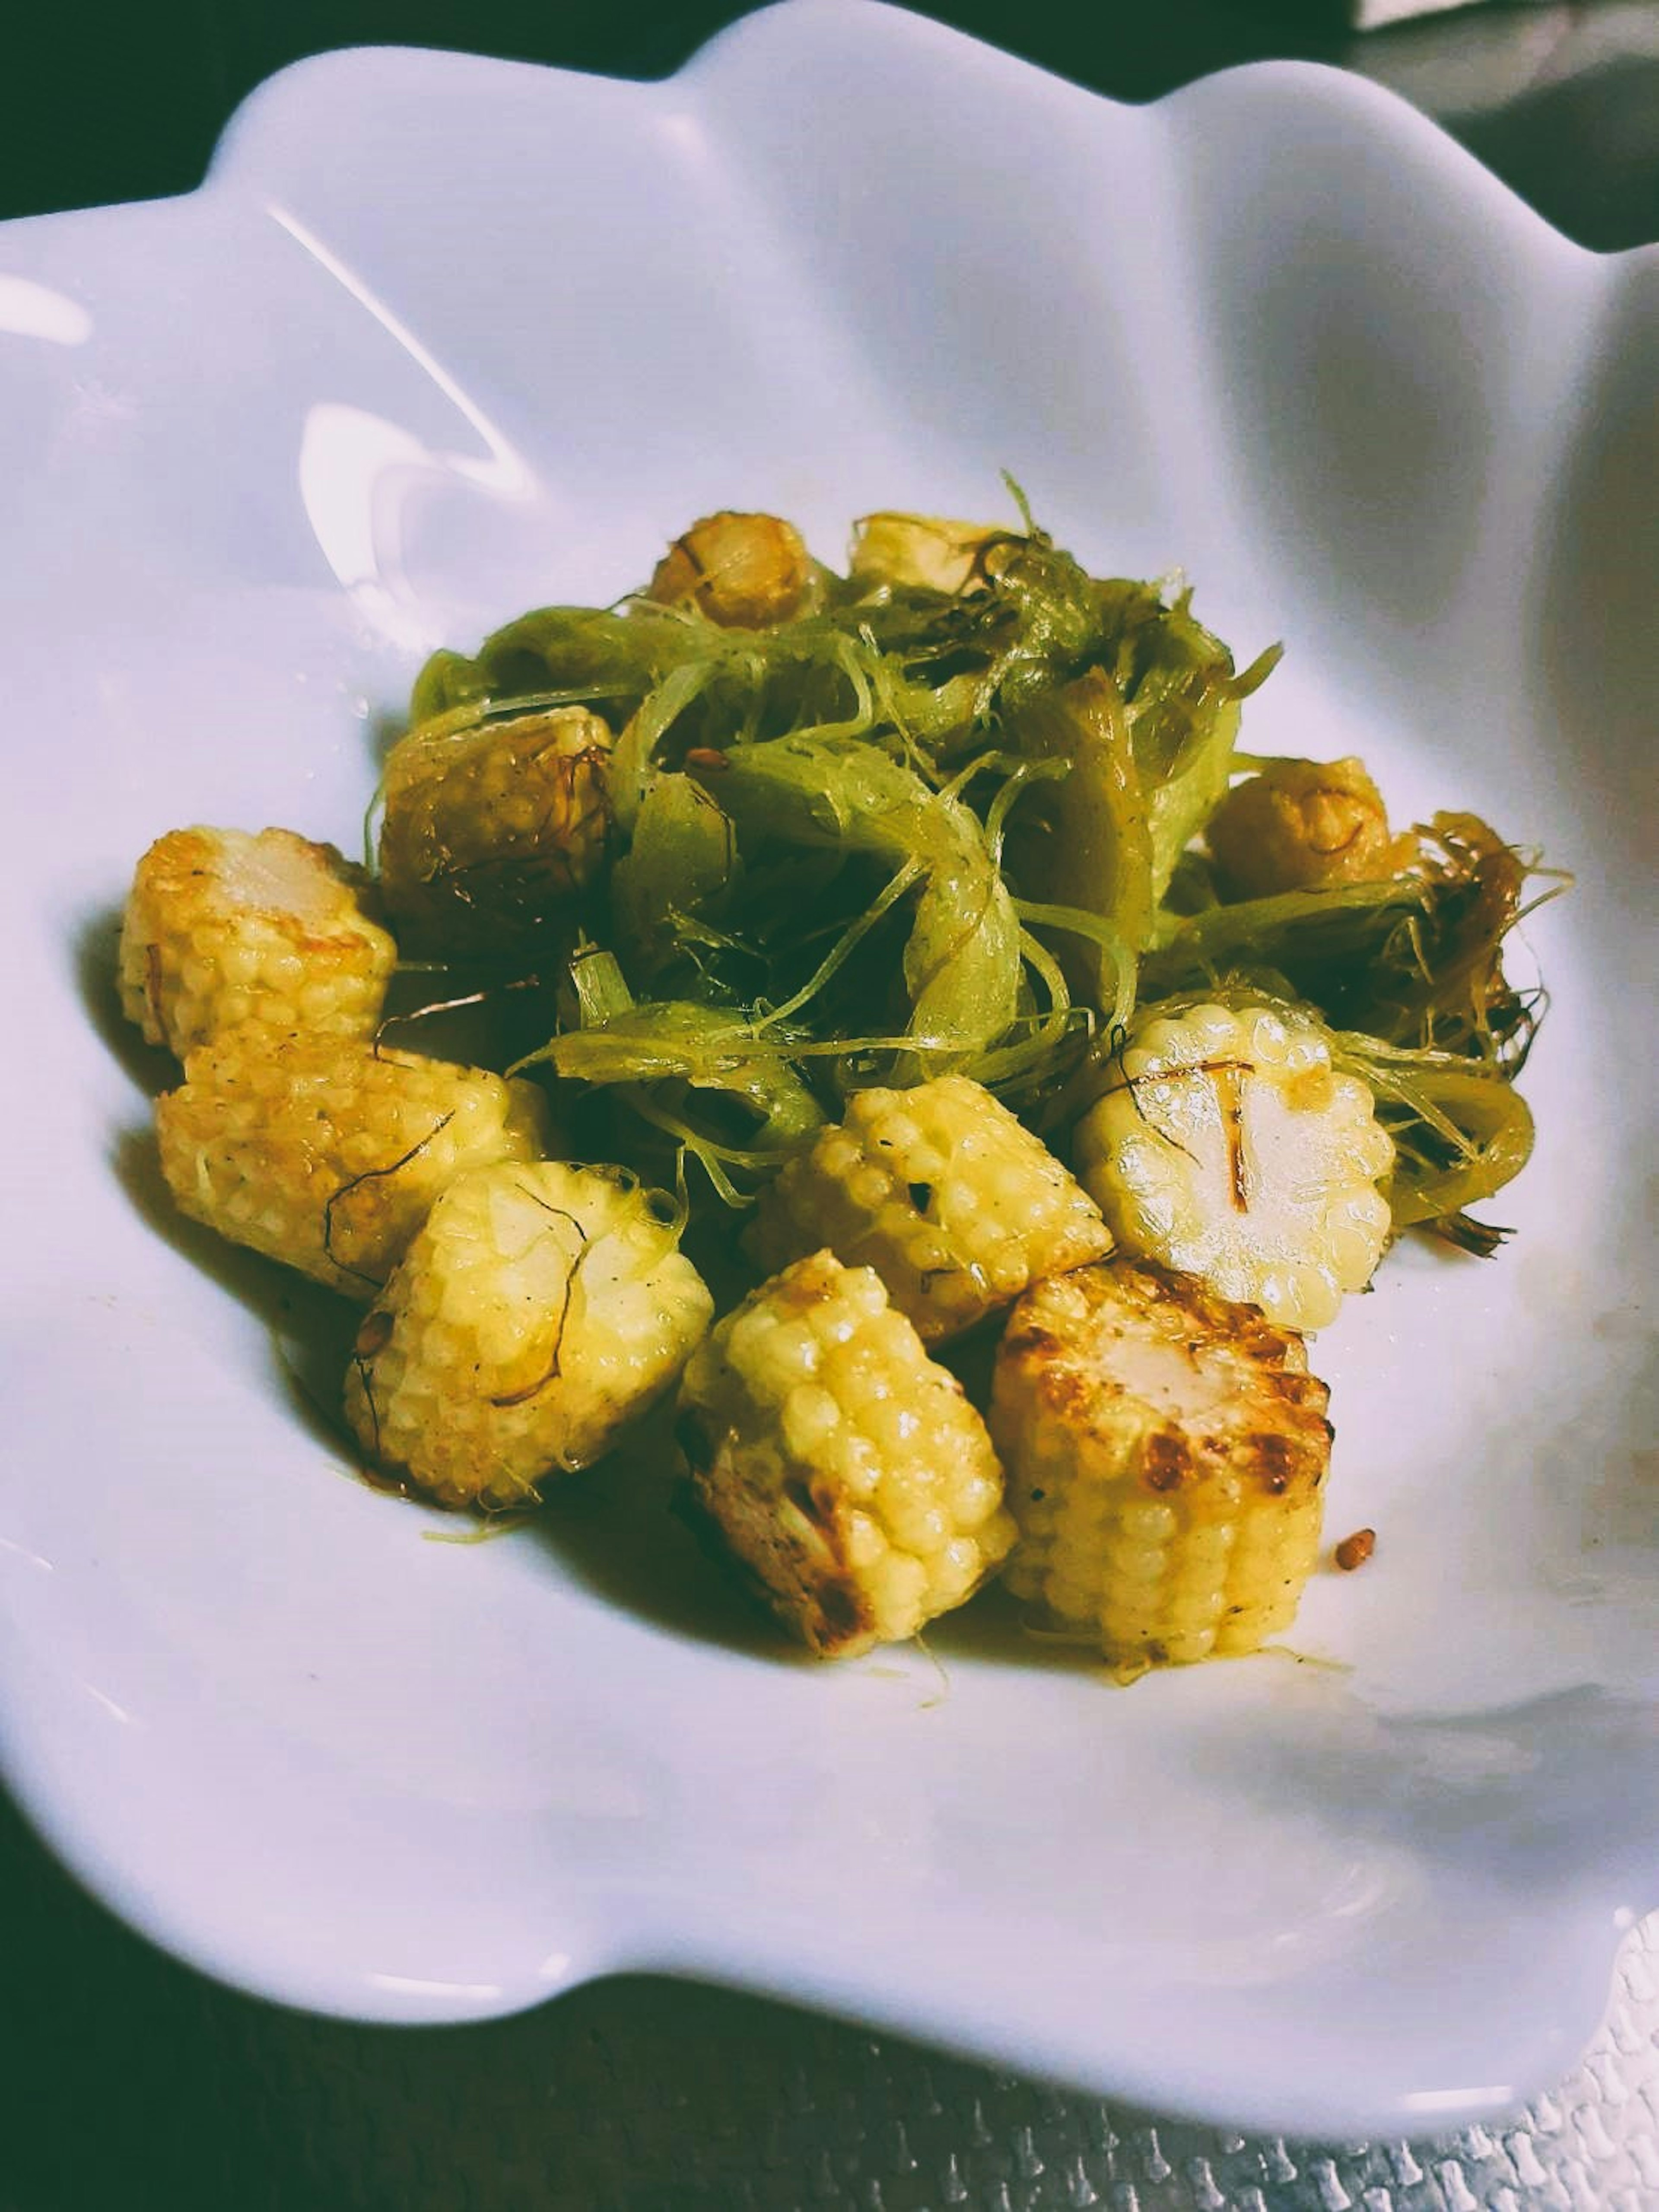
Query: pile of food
{"points": [[865, 968]]}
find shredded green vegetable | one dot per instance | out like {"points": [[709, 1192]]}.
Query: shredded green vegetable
{"points": [[948, 817]]}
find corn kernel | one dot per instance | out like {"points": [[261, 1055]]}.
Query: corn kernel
{"points": [[1227, 1147], [567, 1312], [490, 831]]}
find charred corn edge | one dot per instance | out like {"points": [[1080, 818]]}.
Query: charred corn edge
{"points": [[1167, 1533], [846, 1469], [209, 942]]}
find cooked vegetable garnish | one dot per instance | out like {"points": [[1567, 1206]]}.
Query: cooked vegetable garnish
{"points": [[1166, 1453], [960, 966], [858, 910]]}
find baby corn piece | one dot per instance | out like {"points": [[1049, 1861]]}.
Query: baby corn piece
{"points": [[491, 827], [742, 571], [1302, 824], [846, 1469], [223, 929], [1226, 1147], [327, 1154], [944, 1192], [539, 1311], [1166, 1454]]}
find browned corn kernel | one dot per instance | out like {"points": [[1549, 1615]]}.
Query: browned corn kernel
{"points": [[223, 928], [326, 1154], [1166, 1453], [1353, 1551], [952, 1201], [492, 829], [847, 1471]]}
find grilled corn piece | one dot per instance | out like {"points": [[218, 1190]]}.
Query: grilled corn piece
{"points": [[223, 929], [847, 1471], [1227, 1146], [1166, 1455], [326, 1154], [743, 571], [539, 1311], [491, 827], [954, 1204], [1303, 825]]}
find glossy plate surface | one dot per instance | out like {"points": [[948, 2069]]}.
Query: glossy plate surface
{"points": [[443, 337]]}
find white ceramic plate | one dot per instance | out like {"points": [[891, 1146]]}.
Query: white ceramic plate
{"points": [[443, 337]]}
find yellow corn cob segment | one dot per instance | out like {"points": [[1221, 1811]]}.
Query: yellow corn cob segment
{"points": [[223, 928], [846, 1469], [944, 1192], [539, 1310], [1166, 1456], [1226, 1147], [326, 1154], [491, 827]]}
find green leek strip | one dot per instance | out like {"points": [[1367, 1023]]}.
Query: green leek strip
{"points": [[1078, 922], [1468, 1106], [710, 1156], [845, 945]]}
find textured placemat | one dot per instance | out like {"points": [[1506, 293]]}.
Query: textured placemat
{"points": [[131, 2082]]}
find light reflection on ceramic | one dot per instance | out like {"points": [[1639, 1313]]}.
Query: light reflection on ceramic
{"points": [[28, 310], [445, 337], [358, 472]]}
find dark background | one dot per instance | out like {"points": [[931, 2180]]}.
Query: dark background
{"points": [[120, 100]]}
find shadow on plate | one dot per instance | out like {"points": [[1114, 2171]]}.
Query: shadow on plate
{"points": [[627, 1533], [622, 1530], [96, 946], [309, 1329]]}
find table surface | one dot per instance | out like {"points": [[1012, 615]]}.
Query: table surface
{"points": [[134, 2082]]}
